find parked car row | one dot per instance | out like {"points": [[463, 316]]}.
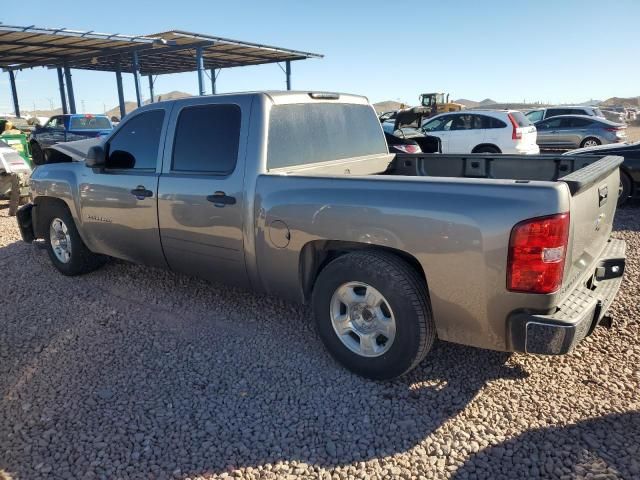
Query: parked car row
{"points": [[515, 132]]}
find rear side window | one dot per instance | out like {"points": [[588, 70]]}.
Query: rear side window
{"points": [[307, 133], [89, 122], [491, 122], [597, 112], [136, 143], [207, 139], [579, 122], [521, 119]]}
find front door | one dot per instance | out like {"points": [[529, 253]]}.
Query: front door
{"points": [[119, 203], [201, 191]]}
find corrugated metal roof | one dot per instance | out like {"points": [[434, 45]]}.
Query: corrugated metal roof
{"points": [[160, 53]]}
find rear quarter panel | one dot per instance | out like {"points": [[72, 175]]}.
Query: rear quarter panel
{"points": [[457, 229]]}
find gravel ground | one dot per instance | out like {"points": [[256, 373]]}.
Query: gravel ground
{"points": [[131, 372]]}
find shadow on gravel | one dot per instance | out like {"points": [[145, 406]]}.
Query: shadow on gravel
{"points": [[373, 420], [608, 446], [177, 378]]}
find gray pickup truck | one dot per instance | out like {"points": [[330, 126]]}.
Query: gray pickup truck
{"points": [[296, 195]]}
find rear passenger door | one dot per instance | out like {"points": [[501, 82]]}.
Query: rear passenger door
{"points": [[201, 190], [466, 133], [577, 131]]}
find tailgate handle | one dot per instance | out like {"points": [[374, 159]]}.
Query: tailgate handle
{"points": [[603, 194]]}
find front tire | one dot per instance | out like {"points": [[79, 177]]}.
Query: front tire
{"points": [[590, 142], [373, 314], [67, 251], [37, 155]]}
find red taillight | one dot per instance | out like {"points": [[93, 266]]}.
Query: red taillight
{"points": [[537, 250], [515, 134], [614, 129], [408, 148]]}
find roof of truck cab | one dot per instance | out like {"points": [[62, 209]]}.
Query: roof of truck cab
{"points": [[277, 97]]}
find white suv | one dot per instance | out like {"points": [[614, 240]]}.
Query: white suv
{"points": [[483, 131]]}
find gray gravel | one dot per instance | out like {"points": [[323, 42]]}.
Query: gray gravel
{"points": [[131, 372]]}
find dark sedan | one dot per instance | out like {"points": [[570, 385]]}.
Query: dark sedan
{"points": [[629, 170], [578, 131]]}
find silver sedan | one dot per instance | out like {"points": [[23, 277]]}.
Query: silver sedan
{"points": [[578, 131]]}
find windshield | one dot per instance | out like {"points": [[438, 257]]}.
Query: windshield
{"points": [[89, 122], [535, 115]]}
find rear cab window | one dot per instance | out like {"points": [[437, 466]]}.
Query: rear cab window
{"points": [[307, 133], [89, 122]]}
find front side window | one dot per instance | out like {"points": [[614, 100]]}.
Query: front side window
{"points": [[553, 123], [438, 124], [55, 122], [137, 142], [207, 139]]}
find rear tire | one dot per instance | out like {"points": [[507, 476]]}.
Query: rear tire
{"points": [[486, 149], [625, 188], [590, 142], [67, 251], [37, 155], [361, 278]]}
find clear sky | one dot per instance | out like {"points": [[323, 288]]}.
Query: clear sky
{"points": [[557, 51]]}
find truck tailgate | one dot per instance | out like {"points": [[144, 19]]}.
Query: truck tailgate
{"points": [[594, 193]]}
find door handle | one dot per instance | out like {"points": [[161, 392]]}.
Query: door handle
{"points": [[141, 192], [220, 199]]}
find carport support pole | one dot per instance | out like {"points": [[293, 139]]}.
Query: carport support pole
{"points": [[136, 77], [14, 93], [213, 81], [123, 111], [200, 68], [63, 96], [288, 71], [151, 88], [72, 98]]}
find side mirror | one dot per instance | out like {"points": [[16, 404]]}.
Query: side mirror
{"points": [[96, 157]]}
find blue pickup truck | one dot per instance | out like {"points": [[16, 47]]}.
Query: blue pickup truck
{"points": [[67, 128]]}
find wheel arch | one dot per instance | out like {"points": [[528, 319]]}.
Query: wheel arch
{"points": [[42, 204], [317, 254], [483, 145]]}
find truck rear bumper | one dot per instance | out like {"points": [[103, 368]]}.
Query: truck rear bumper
{"points": [[559, 332]]}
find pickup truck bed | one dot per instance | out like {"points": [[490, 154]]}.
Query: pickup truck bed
{"points": [[502, 252]]}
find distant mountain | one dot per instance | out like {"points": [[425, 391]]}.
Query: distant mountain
{"points": [[621, 102], [131, 106], [475, 104], [467, 103], [388, 106]]}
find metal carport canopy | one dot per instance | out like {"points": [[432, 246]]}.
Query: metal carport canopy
{"points": [[173, 51]]}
